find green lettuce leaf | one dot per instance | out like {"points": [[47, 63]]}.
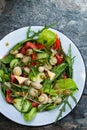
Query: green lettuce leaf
{"points": [[47, 38], [67, 84]]}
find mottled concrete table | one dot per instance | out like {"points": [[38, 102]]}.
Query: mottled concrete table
{"points": [[71, 16]]}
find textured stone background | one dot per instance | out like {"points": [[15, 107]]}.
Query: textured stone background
{"points": [[71, 16], [2, 6]]}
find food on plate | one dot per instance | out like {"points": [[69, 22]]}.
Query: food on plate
{"points": [[37, 75]]}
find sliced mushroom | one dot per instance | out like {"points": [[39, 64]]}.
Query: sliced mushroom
{"points": [[48, 66], [50, 74], [26, 59], [29, 52], [17, 71], [19, 55], [53, 61], [20, 79], [14, 52], [36, 85], [27, 70], [58, 100], [43, 98], [28, 82], [41, 69], [33, 92]]}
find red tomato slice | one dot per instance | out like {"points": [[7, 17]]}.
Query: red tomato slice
{"points": [[30, 45], [13, 79], [65, 76], [27, 46], [59, 58], [23, 50], [35, 104], [9, 99], [57, 44], [33, 57], [40, 46]]}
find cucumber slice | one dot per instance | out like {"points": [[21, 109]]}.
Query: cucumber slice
{"points": [[22, 105], [30, 115], [42, 55], [14, 63]]}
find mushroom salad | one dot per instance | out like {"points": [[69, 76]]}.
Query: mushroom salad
{"points": [[36, 75]]}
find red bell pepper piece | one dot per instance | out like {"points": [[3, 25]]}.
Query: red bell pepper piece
{"points": [[34, 104], [40, 46], [57, 44], [27, 46], [65, 76], [30, 45], [9, 99], [13, 79], [59, 58], [34, 57], [23, 50]]}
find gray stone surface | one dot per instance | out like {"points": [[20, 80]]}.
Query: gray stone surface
{"points": [[71, 16], [2, 6]]}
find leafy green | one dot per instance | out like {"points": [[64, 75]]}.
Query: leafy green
{"points": [[42, 55], [67, 84], [1, 75], [31, 36], [48, 106], [47, 38], [70, 60], [14, 62], [31, 114], [42, 107], [58, 70], [33, 73], [62, 106], [7, 58], [4, 75], [28, 32]]}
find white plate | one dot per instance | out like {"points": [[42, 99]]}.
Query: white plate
{"points": [[79, 76]]}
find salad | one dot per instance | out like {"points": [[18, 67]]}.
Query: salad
{"points": [[36, 75]]}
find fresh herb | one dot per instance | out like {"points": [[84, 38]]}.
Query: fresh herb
{"points": [[67, 84], [31, 37], [58, 70], [28, 32], [70, 60], [62, 106], [7, 58], [47, 38]]}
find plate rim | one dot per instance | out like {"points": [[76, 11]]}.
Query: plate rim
{"points": [[82, 60]]}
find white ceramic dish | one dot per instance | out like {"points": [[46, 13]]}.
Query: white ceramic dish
{"points": [[79, 75]]}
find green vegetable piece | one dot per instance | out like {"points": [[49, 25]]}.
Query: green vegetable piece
{"points": [[67, 84], [6, 77], [42, 55], [47, 38], [22, 105], [51, 106], [28, 32], [14, 63], [42, 107], [33, 73], [70, 69], [1, 75], [58, 70], [7, 59], [31, 115]]}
